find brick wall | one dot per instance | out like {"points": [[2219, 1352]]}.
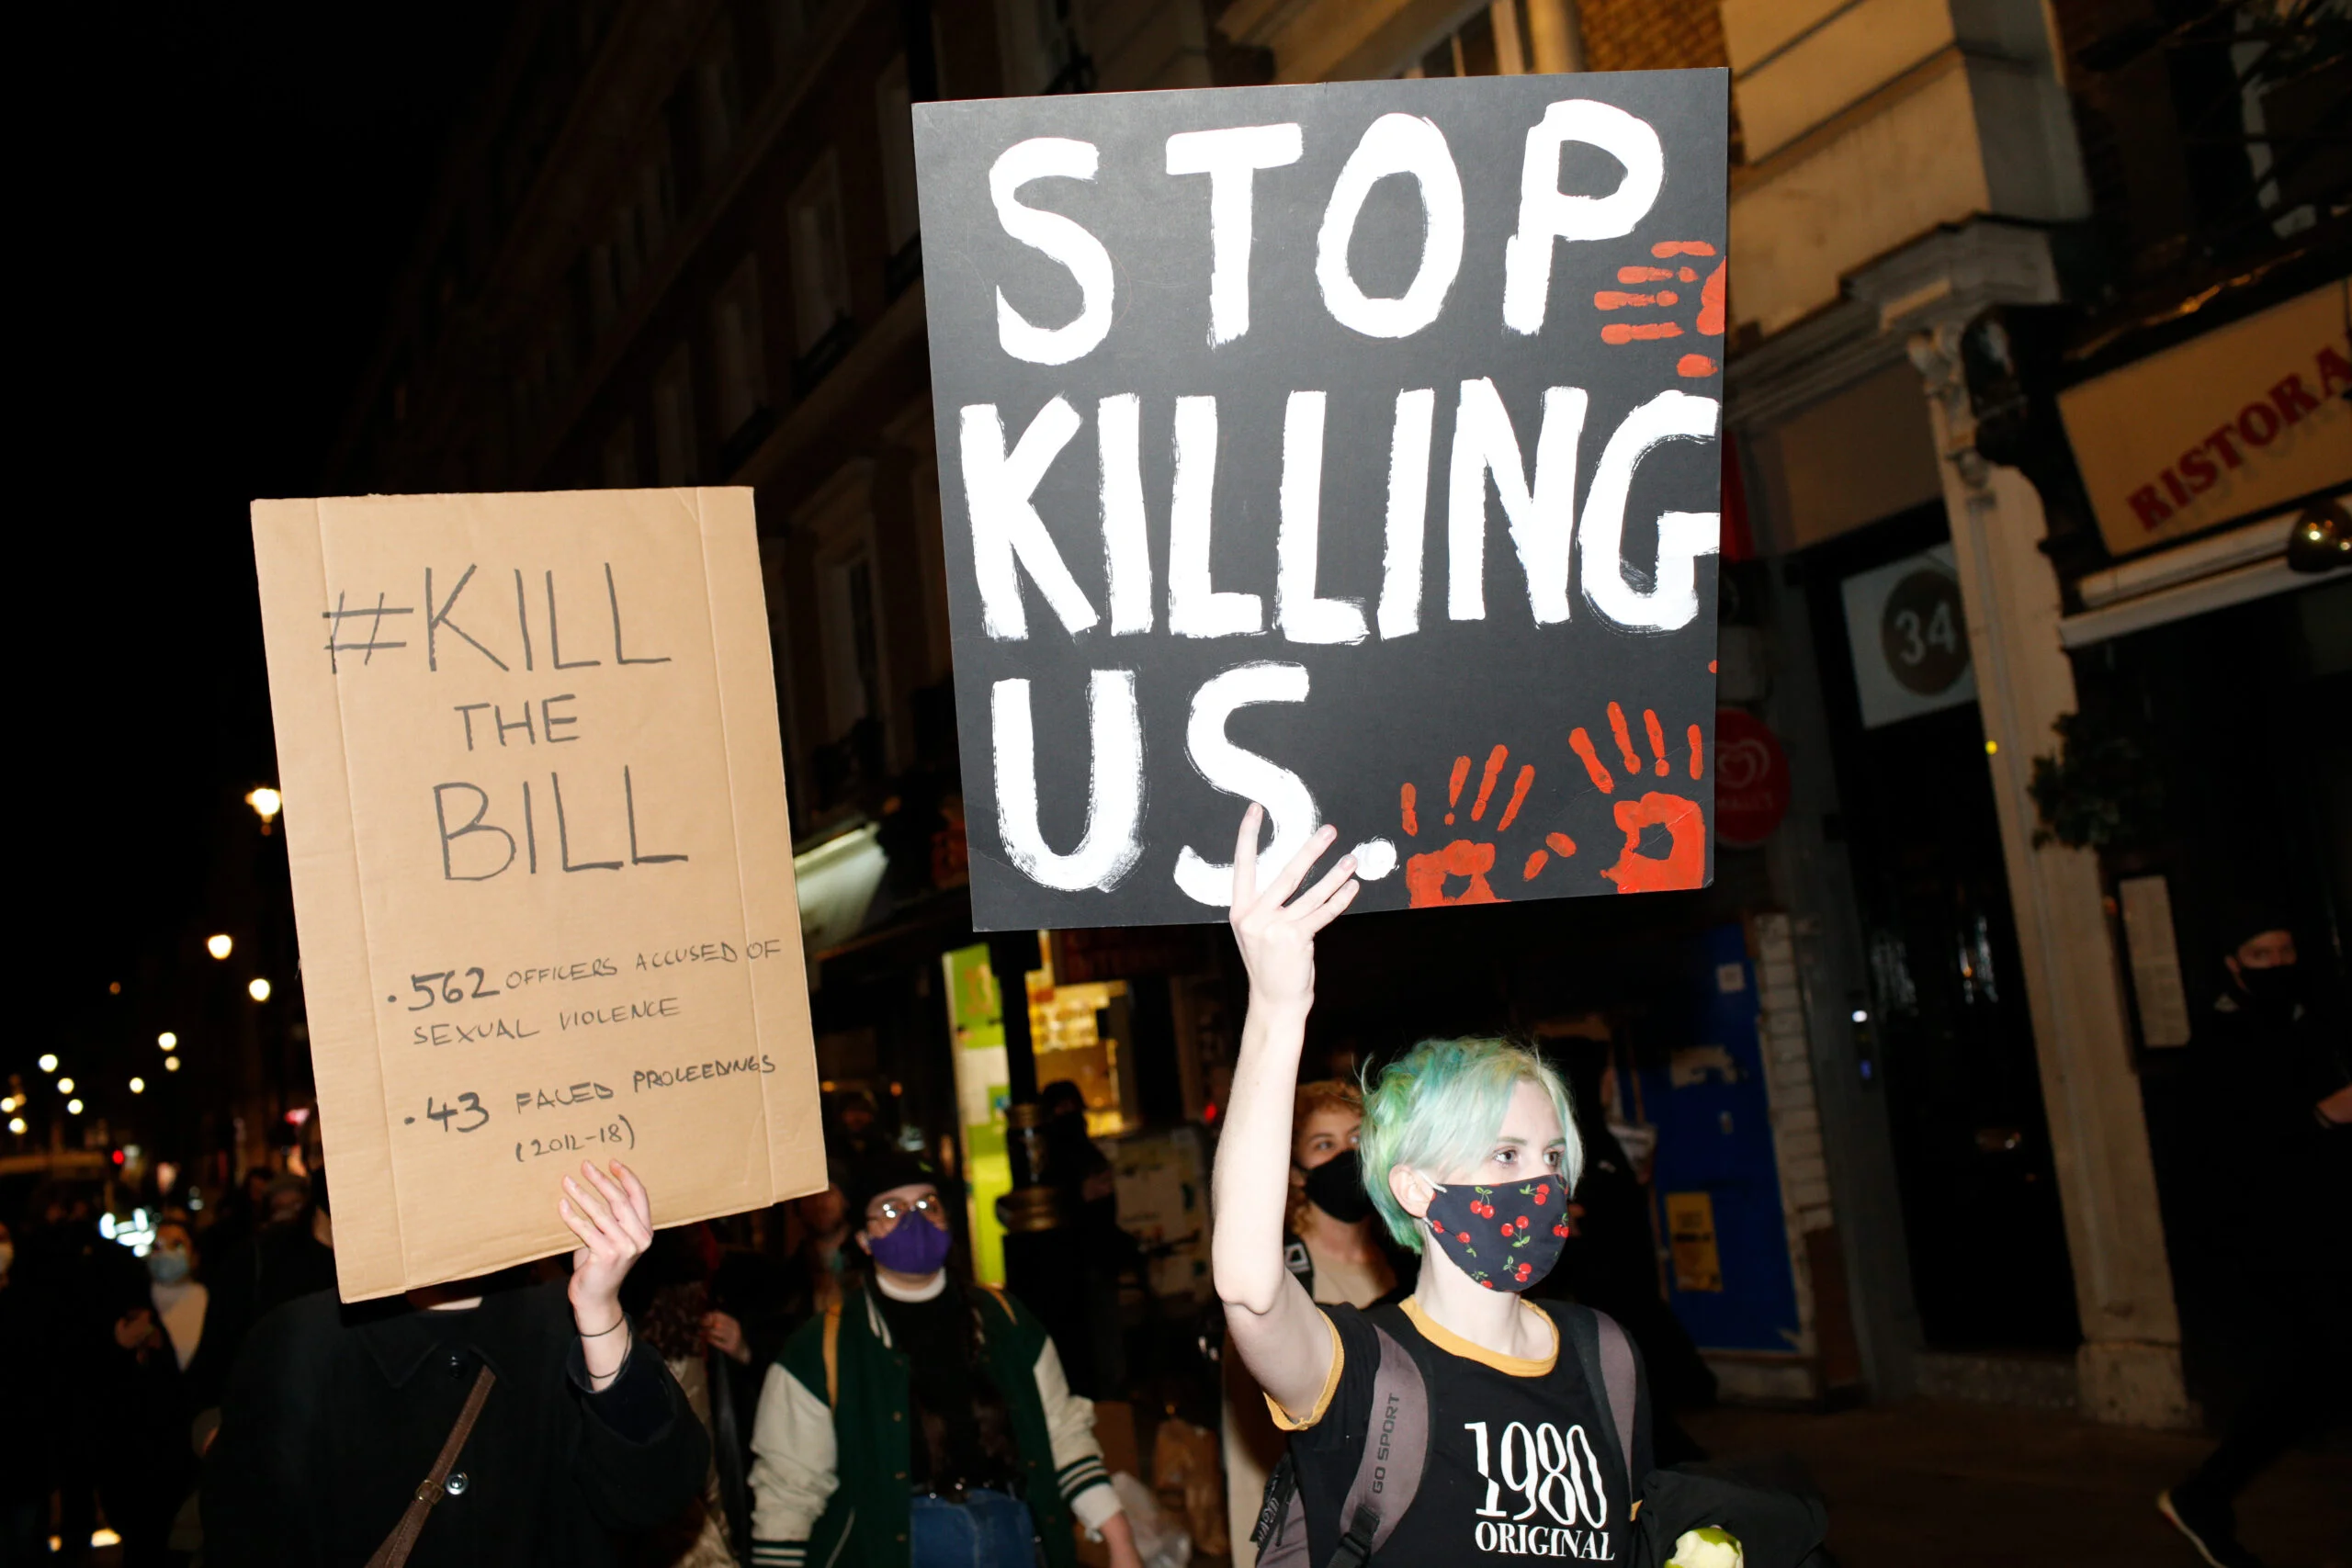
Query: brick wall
{"points": [[1655, 35], [1651, 35]]}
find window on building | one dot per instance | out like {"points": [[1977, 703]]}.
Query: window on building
{"points": [[1044, 51], [620, 456], [555, 355], [641, 221], [852, 638], [580, 326], [894, 115], [674, 436], [739, 351], [594, 20], [847, 709], [1492, 40], [791, 21], [820, 268], [718, 84], [627, 251], [657, 200]]}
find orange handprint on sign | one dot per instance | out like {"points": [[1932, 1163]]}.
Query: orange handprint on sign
{"points": [[1684, 865], [1461, 870], [1426, 875], [1649, 296]]}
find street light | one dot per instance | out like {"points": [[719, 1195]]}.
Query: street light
{"points": [[257, 988], [167, 1040], [65, 1085], [73, 1108], [266, 803], [49, 1063], [139, 1086], [16, 1125], [171, 1064], [219, 946]]}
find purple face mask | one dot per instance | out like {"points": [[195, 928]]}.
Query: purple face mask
{"points": [[914, 1246]]}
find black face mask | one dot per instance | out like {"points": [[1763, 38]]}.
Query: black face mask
{"points": [[2276, 988], [1336, 1187]]}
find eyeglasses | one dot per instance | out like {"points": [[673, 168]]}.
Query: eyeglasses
{"points": [[930, 1207]]}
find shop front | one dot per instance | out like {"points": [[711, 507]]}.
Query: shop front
{"points": [[2067, 633], [2208, 765]]}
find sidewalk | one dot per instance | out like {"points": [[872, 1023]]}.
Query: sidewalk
{"points": [[1924, 1485]]}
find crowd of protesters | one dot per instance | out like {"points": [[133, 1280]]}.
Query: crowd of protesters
{"points": [[215, 1402], [826, 1382], [117, 1365]]}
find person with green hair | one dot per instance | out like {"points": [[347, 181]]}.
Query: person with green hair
{"points": [[1469, 1153]]}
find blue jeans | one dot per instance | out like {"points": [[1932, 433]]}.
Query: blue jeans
{"points": [[988, 1530]]}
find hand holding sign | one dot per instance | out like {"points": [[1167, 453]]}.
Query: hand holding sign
{"points": [[612, 1217], [1277, 937]]}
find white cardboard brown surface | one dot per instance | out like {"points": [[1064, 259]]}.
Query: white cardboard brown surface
{"points": [[498, 982]]}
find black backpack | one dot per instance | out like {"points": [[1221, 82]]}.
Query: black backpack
{"points": [[1397, 1449]]}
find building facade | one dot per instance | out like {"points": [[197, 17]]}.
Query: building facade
{"points": [[1969, 246]]}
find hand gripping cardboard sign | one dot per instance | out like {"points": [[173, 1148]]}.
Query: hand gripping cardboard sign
{"points": [[542, 868]]}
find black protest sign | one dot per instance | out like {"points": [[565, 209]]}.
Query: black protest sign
{"points": [[1352, 449]]}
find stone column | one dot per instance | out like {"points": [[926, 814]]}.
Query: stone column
{"points": [[2129, 1367], [1552, 42]]}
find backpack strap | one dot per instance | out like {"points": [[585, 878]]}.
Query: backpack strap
{"points": [[1280, 1533], [1301, 1264], [1617, 1382], [833, 1355], [1003, 1301], [1606, 1356], [1396, 1451]]}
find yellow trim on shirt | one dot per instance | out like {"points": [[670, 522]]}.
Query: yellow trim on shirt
{"points": [[1453, 1344], [1283, 1418]]}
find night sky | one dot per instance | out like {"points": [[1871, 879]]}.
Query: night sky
{"points": [[221, 199]]}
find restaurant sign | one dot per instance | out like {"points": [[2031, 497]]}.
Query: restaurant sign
{"points": [[2247, 419]]}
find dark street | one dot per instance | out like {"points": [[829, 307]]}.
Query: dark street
{"points": [[933, 783]]}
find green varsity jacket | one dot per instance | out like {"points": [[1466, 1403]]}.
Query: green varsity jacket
{"points": [[831, 1443]]}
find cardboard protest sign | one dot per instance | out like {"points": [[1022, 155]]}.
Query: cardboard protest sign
{"points": [[1349, 447], [542, 870]]}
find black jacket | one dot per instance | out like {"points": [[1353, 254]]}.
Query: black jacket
{"points": [[250, 1279], [2270, 1214], [333, 1415]]}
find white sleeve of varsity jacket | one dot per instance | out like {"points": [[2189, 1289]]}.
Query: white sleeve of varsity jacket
{"points": [[793, 1473], [1077, 1458]]}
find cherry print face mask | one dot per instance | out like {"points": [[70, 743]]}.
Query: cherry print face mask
{"points": [[1505, 1237]]}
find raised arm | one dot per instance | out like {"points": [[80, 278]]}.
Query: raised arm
{"points": [[1268, 1316]]}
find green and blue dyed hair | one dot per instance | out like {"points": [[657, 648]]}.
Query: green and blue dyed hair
{"points": [[1440, 1107]]}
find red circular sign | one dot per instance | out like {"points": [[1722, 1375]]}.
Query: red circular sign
{"points": [[1751, 780]]}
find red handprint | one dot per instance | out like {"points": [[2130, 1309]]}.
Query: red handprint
{"points": [[1709, 322], [1685, 861], [1426, 875], [1429, 874]]}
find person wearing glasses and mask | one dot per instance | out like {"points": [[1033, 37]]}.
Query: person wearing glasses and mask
{"points": [[924, 1420]]}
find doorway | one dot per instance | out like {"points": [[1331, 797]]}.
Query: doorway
{"points": [[1946, 1022]]}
